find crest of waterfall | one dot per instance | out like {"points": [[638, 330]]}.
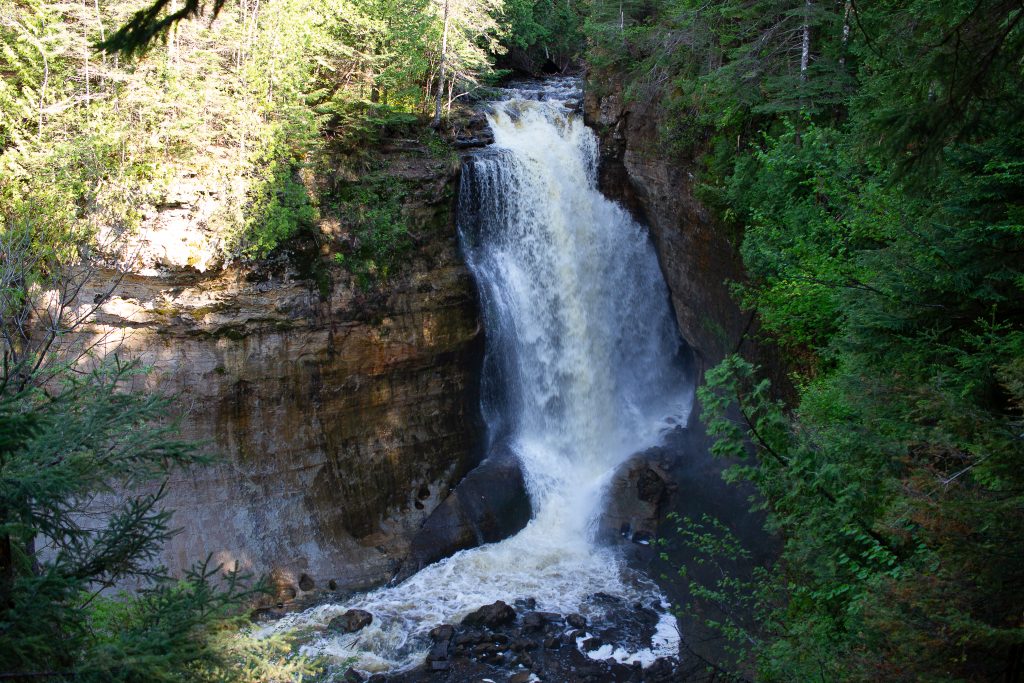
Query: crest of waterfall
{"points": [[583, 368]]}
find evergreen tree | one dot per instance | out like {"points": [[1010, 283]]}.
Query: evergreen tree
{"points": [[84, 455]]}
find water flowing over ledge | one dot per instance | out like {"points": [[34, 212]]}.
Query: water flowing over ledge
{"points": [[583, 368]]}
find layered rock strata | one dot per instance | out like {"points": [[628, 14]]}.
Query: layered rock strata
{"points": [[341, 417]]}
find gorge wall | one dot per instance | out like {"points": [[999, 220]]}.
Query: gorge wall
{"points": [[341, 416], [696, 258], [699, 262]]}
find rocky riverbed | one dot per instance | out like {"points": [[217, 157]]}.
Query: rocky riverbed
{"points": [[520, 643]]}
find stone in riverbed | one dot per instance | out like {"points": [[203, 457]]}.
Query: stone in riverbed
{"points": [[491, 616], [469, 638], [444, 632], [532, 622], [350, 622], [488, 505], [576, 621]]}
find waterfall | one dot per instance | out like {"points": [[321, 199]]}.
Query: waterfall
{"points": [[582, 369]]}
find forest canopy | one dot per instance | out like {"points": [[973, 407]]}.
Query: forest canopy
{"points": [[244, 94]]}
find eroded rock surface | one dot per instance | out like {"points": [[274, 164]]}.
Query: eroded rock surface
{"points": [[342, 416]]}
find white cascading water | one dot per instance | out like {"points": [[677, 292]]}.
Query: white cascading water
{"points": [[582, 370]]}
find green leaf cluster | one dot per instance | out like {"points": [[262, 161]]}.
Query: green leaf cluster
{"points": [[377, 231]]}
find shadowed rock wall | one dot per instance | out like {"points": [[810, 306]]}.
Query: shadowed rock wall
{"points": [[696, 258], [698, 261]]}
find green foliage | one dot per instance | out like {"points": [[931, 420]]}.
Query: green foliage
{"points": [[553, 28], [244, 101], [81, 467], [377, 231], [726, 604], [875, 189], [84, 457]]}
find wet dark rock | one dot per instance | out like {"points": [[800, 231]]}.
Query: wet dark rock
{"points": [[488, 505], [352, 676], [306, 583], [476, 141], [576, 621], [492, 658], [526, 603], [533, 622], [442, 633], [661, 671], [438, 652], [267, 614], [521, 644], [492, 644], [351, 621], [521, 677], [590, 670], [473, 132], [491, 616], [636, 496], [469, 638], [441, 636], [651, 486]]}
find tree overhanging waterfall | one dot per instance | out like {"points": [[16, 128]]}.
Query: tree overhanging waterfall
{"points": [[584, 367]]}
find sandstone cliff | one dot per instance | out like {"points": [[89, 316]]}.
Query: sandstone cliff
{"points": [[342, 416]]}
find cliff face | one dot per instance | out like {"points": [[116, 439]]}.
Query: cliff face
{"points": [[696, 258], [341, 417], [698, 262]]}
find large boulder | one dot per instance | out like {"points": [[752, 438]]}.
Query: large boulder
{"points": [[351, 621], [488, 505], [638, 489], [491, 616]]}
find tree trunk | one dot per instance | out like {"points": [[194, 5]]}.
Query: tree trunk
{"points": [[436, 123], [805, 58], [846, 32], [805, 44]]}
